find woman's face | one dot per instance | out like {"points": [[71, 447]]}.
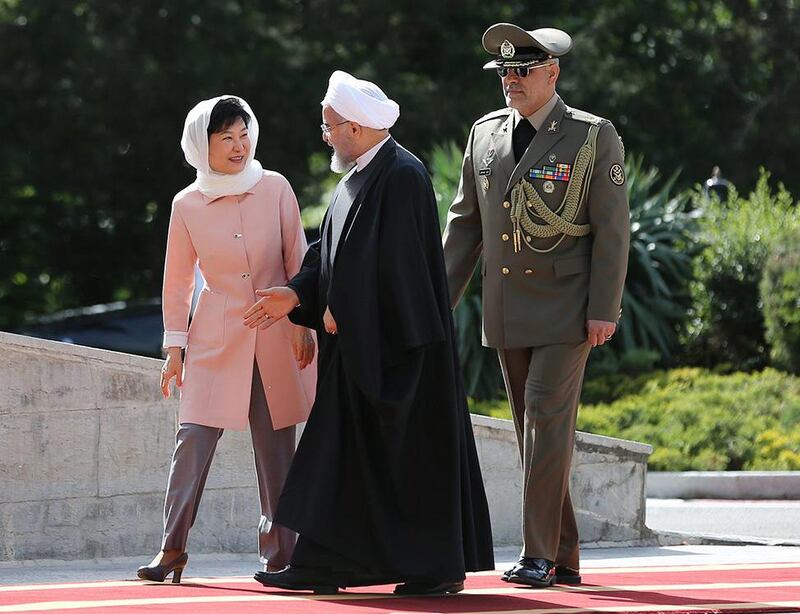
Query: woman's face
{"points": [[228, 150]]}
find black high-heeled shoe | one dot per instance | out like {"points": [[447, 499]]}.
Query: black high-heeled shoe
{"points": [[159, 573]]}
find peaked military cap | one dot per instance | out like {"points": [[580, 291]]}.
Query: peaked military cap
{"points": [[512, 46]]}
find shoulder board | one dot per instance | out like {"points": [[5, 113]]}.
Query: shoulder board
{"points": [[499, 114], [583, 116]]}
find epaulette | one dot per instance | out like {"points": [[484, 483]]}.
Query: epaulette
{"points": [[499, 114], [583, 116]]}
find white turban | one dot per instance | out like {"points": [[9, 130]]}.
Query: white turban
{"points": [[194, 143], [360, 101]]}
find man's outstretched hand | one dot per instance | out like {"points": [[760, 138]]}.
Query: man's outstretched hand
{"points": [[274, 304]]}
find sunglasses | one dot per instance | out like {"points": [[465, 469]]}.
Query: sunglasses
{"points": [[521, 71]]}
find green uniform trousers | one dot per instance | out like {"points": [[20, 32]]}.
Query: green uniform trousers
{"points": [[544, 387]]}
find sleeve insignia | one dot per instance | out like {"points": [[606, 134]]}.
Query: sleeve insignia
{"points": [[617, 174]]}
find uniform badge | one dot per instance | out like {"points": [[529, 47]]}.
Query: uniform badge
{"points": [[485, 183], [552, 158], [484, 171], [507, 50], [489, 157], [549, 187], [552, 127], [617, 174]]}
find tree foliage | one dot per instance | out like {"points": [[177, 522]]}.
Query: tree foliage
{"points": [[94, 94]]}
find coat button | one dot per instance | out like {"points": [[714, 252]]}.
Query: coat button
{"points": [[506, 205], [245, 275], [504, 236], [506, 270], [237, 236], [528, 271]]}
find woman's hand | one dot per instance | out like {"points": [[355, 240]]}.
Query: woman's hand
{"points": [[303, 346], [173, 367]]}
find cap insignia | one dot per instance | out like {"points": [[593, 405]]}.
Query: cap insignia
{"points": [[507, 50]]}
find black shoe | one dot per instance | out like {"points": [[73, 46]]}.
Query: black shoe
{"points": [[567, 575], [299, 579], [159, 573], [507, 572], [539, 573], [429, 588]]}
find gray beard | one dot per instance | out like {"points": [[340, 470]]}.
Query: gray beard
{"points": [[339, 164]]}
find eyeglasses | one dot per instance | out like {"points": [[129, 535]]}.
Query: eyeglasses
{"points": [[326, 128], [521, 71]]}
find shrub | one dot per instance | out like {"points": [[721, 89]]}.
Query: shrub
{"points": [[696, 419], [727, 321], [656, 296], [699, 420], [780, 295]]}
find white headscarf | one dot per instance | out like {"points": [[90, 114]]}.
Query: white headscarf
{"points": [[360, 101], [194, 143]]}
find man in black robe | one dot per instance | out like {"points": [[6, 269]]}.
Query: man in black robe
{"points": [[385, 486]]}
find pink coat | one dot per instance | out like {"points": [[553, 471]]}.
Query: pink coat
{"points": [[251, 241]]}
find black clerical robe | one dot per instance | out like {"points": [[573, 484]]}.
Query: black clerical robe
{"points": [[385, 482]]}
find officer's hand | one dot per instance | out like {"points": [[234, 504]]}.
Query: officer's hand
{"points": [[274, 304], [173, 367], [303, 346], [329, 322], [598, 332]]}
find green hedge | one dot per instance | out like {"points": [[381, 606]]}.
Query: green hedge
{"points": [[780, 295], [696, 419], [727, 321]]}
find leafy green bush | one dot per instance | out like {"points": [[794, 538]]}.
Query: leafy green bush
{"points": [[727, 321], [780, 295], [699, 420], [656, 296]]}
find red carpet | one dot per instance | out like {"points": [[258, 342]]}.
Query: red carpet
{"points": [[754, 588]]}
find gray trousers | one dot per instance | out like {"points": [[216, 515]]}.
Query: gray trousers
{"points": [[544, 388], [195, 445]]}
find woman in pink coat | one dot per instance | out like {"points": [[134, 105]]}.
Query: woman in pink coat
{"points": [[241, 225]]}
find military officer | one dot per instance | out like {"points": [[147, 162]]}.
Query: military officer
{"points": [[542, 197]]}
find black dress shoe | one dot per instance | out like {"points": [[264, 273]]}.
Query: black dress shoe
{"points": [[159, 573], [539, 573], [567, 575], [429, 588], [507, 572], [300, 579]]}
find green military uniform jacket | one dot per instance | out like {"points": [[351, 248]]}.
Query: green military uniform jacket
{"points": [[540, 291]]}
